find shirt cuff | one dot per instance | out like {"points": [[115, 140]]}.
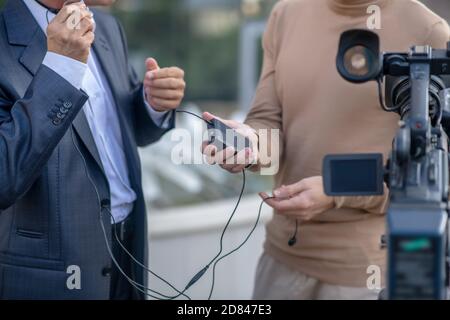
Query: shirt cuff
{"points": [[161, 119], [70, 69]]}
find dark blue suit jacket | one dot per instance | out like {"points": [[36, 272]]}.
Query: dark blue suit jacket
{"points": [[49, 211]]}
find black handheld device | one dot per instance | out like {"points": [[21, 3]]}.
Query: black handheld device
{"points": [[222, 136]]}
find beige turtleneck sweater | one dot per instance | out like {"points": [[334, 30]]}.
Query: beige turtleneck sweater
{"points": [[301, 93]]}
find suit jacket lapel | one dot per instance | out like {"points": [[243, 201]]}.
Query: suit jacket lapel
{"points": [[34, 53], [23, 30], [81, 126]]}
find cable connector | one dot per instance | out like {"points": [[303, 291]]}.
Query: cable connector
{"points": [[197, 277]]}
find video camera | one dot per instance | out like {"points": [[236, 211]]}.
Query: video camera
{"points": [[417, 171]]}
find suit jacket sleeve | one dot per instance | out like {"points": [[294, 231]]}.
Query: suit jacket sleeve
{"points": [[145, 130], [31, 128]]}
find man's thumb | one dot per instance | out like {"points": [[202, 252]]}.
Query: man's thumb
{"points": [[151, 64], [208, 116]]}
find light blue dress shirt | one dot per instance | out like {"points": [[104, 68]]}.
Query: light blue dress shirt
{"points": [[101, 115]]}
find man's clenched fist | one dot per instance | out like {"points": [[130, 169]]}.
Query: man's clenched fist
{"points": [[164, 88], [71, 32]]}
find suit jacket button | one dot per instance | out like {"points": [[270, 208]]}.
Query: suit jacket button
{"points": [[63, 110], [59, 115], [106, 271], [56, 121], [67, 104]]}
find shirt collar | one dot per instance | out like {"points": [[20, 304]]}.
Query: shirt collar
{"points": [[39, 13]]}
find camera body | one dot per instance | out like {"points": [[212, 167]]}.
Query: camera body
{"points": [[417, 170]]}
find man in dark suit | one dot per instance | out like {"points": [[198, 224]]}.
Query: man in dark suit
{"points": [[72, 114]]}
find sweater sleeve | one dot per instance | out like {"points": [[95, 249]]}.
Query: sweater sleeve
{"points": [[439, 35], [266, 112], [371, 204]]}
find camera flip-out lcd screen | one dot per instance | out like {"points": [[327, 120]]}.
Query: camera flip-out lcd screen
{"points": [[353, 174]]}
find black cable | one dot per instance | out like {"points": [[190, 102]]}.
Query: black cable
{"points": [[199, 274], [231, 217], [202, 272], [193, 114], [52, 10], [381, 97], [142, 265], [438, 106], [237, 248], [131, 281], [293, 240]]}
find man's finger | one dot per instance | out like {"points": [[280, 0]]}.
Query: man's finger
{"points": [[167, 83], [209, 116], [294, 204], [234, 162], [290, 190], [265, 196], [280, 205], [204, 145], [89, 37], [166, 94], [79, 20], [237, 169], [226, 156], [210, 154], [267, 199], [164, 73], [243, 157], [163, 103], [151, 64], [68, 10], [86, 25]]}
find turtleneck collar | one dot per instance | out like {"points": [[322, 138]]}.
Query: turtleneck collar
{"points": [[354, 7]]}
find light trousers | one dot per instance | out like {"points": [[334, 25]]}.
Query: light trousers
{"points": [[275, 281]]}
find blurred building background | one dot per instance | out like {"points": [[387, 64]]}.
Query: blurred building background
{"points": [[217, 43]]}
